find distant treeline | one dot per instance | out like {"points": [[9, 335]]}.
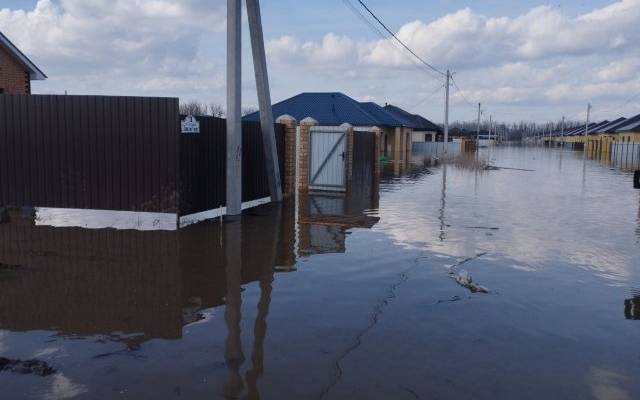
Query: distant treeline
{"points": [[516, 130], [214, 110]]}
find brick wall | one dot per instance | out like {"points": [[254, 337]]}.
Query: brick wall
{"points": [[303, 156], [14, 79], [289, 183]]}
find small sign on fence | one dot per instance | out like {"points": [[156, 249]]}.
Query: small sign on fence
{"points": [[190, 125]]}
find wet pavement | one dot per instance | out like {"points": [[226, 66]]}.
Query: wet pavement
{"points": [[356, 297]]}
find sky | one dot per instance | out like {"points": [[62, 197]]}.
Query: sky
{"points": [[524, 60]]}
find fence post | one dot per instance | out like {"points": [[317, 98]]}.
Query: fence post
{"points": [[290, 156], [376, 154], [348, 128], [303, 157]]}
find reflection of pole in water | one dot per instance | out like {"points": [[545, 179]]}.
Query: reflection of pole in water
{"points": [[260, 325], [232, 315], [259, 334], [638, 228], [443, 202]]}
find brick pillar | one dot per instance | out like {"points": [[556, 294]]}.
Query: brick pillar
{"points": [[376, 160], [348, 157], [303, 156], [290, 156]]}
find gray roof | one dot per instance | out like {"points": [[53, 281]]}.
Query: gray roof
{"points": [[34, 72], [611, 126], [594, 129], [630, 125]]}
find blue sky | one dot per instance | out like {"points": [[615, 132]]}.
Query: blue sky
{"points": [[522, 59]]}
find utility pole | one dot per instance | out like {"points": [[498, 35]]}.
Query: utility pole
{"points": [[446, 113], [490, 127], [478, 130], [562, 132], [586, 129], [234, 104], [264, 100]]}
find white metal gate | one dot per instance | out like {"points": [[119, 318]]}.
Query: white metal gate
{"points": [[327, 159]]}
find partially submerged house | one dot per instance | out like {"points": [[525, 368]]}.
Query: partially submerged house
{"points": [[422, 130], [629, 131], [16, 70], [335, 108]]}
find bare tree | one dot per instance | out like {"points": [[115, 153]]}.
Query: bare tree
{"points": [[216, 110], [248, 110], [193, 108]]}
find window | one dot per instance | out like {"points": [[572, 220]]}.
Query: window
{"points": [[1, 91]]}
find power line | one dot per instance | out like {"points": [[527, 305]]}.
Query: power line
{"points": [[427, 97], [377, 31], [461, 92], [398, 40]]}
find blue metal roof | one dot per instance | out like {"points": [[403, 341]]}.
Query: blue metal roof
{"points": [[611, 126], [411, 120], [329, 109], [630, 125], [381, 114]]}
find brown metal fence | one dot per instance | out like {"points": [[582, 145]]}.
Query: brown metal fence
{"points": [[92, 152], [119, 153], [202, 164]]}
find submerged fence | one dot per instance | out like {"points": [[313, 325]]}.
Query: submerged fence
{"points": [[436, 148], [203, 160], [625, 155], [119, 153]]}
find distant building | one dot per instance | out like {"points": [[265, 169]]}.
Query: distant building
{"points": [[399, 128], [16, 70], [423, 130]]}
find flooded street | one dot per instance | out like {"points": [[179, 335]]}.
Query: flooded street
{"points": [[357, 298]]}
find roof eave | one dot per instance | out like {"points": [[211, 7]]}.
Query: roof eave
{"points": [[35, 73]]}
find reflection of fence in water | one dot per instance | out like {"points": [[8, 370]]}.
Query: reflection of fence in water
{"points": [[626, 155], [436, 148]]}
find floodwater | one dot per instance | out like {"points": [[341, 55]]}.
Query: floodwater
{"points": [[352, 298]]}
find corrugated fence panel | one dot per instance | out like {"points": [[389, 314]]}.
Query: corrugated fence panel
{"points": [[203, 161], [91, 152]]}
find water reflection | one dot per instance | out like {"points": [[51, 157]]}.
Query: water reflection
{"points": [[632, 306], [548, 256]]}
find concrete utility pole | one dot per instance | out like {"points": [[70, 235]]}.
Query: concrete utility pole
{"points": [[490, 127], [478, 130], [446, 113], [234, 104], [264, 99], [586, 131], [586, 127]]}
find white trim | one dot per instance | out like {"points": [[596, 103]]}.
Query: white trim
{"points": [[190, 219], [100, 219], [142, 221]]}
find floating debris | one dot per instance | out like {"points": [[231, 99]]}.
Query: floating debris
{"points": [[463, 278], [451, 300], [493, 228], [36, 367], [514, 169]]}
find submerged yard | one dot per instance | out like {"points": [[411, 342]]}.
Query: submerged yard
{"points": [[372, 302]]}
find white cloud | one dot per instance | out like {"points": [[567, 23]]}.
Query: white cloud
{"points": [[542, 57], [118, 46]]}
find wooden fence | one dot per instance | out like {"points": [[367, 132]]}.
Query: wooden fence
{"points": [[119, 153]]}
